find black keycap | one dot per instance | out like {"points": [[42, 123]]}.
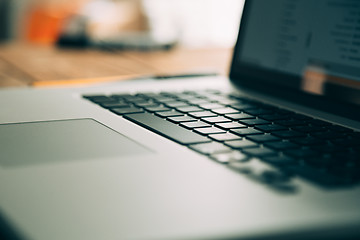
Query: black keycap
{"points": [[307, 141], [169, 114], [115, 105], [288, 134], [166, 129], [192, 125], [197, 101], [263, 138], [281, 145], [238, 116], [224, 137], [243, 106], [259, 151], [230, 125], [157, 109], [273, 117], [216, 119], [188, 109], [309, 129], [211, 105], [328, 135], [227, 110], [245, 131], [99, 98], [258, 111], [210, 148], [291, 122], [280, 160], [301, 153], [181, 119], [202, 114], [121, 111], [240, 144], [146, 104], [271, 127], [176, 104], [253, 122], [209, 130]]}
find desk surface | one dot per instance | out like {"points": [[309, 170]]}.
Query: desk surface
{"points": [[31, 65]]}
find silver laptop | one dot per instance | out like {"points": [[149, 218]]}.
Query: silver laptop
{"points": [[272, 152]]}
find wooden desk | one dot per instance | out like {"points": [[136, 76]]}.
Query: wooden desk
{"points": [[31, 65]]}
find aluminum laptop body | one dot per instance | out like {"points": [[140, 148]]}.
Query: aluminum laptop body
{"points": [[70, 169]]}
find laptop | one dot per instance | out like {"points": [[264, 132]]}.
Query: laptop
{"points": [[271, 152]]}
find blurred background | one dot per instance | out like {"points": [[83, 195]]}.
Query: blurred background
{"points": [[191, 23], [55, 42]]}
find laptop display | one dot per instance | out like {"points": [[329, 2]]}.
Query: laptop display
{"points": [[311, 46]]}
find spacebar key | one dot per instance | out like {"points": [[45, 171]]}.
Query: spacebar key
{"points": [[166, 129]]}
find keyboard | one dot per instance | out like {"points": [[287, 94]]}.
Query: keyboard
{"points": [[230, 128]]}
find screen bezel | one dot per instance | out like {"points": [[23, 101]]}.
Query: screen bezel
{"points": [[282, 85]]}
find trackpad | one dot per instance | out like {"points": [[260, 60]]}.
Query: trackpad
{"points": [[23, 144]]}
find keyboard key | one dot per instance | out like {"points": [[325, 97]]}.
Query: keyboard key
{"points": [[301, 153], [188, 109], [238, 116], [146, 104], [100, 98], [281, 145], [192, 125], [243, 106], [202, 114], [240, 144], [280, 160], [224, 137], [245, 131], [115, 105], [309, 129], [175, 104], [181, 119], [259, 151], [253, 122], [307, 141], [258, 111], [270, 127], [328, 135], [227, 110], [216, 119], [291, 122], [230, 125], [166, 129], [211, 105], [121, 111], [169, 114], [288, 134], [210, 148], [229, 157], [209, 130], [273, 117], [263, 138], [157, 109]]}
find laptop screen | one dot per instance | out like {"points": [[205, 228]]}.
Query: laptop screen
{"points": [[307, 46]]}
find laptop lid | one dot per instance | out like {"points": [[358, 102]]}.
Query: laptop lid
{"points": [[302, 50]]}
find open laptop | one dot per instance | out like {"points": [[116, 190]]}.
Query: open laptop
{"points": [[272, 153]]}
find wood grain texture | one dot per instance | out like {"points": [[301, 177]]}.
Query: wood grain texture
{"points": [[23, 64]]}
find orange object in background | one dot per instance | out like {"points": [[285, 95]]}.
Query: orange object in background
{"points": [[44, 22]]}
